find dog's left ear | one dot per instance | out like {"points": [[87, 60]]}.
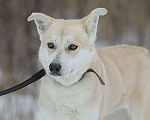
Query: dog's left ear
{"points": [[90, 22], [42, 22]]}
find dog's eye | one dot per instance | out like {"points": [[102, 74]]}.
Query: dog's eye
{"points": [[50, 45], [72, 47]]}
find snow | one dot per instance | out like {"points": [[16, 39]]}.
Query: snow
{"points": [[18, 107]]}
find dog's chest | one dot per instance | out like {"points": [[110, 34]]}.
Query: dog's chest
{"points": [[65, 107], [67, 104], [64, 112]]}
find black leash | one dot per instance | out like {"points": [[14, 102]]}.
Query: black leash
{"points": [[36, 77]]}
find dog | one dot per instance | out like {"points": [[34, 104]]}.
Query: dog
{"points": [[68, 92]]}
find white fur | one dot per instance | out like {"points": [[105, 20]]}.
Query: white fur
{"points": [[42, 22], [55, 38], [124, 69]]}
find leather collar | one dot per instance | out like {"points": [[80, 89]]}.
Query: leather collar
{"points": [[91, 70]]}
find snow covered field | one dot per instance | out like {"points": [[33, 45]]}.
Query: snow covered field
{"points": [[18, 107]]}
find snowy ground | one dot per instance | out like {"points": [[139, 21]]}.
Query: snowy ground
{"points": [[18, 107]]}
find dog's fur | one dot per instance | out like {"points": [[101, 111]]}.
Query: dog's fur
{"points": [[124, 69]]}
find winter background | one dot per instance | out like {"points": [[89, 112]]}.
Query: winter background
{"points": [[127, 22]]}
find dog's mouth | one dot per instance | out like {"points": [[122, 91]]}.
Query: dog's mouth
{"points": [[60, 74], [55, 74]]}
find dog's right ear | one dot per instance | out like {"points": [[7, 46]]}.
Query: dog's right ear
{"points": [[90, 22], [42, 22]]}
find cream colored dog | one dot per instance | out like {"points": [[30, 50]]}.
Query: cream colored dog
{"points": [[67, 51]]}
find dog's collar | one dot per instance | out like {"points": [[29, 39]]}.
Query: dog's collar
{"points": [[91, 70]]}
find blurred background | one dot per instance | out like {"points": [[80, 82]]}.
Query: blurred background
{"points": [[127, 22]]}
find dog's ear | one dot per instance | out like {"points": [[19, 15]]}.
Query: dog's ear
{"points": [[42, 22], [90, 22]]}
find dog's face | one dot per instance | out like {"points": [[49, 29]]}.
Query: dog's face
{"points": [[67, 46]]}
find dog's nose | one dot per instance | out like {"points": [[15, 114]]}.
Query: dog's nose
{"points": [[55, 68]]}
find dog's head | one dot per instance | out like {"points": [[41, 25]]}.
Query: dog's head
{"points": [[67, 46]]}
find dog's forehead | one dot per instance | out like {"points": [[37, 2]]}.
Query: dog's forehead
{"points": [[66, 31], [66, 38]]}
